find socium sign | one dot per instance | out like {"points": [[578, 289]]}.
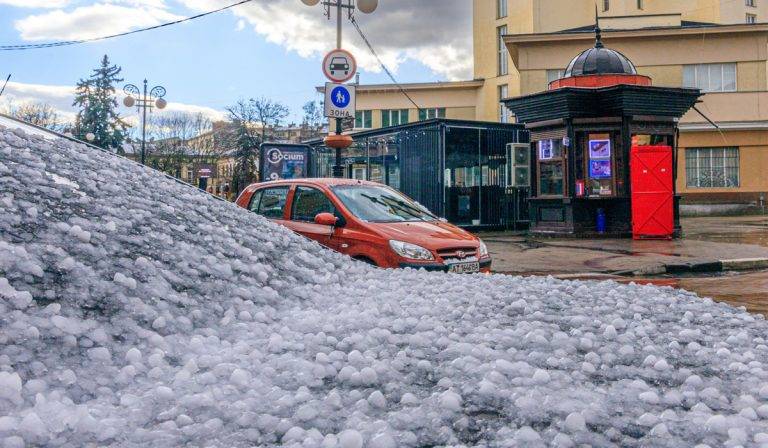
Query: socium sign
{"points": [[284, 161]]}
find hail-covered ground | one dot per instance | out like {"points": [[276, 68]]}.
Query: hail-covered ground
{"points": [[138, 311]]}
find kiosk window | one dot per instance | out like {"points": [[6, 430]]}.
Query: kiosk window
{"points": [[600, 165], [273, 202], [551, 167], [309, 202]]}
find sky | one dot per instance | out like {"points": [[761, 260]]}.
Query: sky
{"points": [[266, 48]]}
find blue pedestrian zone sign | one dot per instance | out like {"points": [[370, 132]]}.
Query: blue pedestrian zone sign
{"points": [[339, 100], [340, 97]]}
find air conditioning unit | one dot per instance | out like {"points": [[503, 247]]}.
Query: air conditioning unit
{"points": [[518, 165]]}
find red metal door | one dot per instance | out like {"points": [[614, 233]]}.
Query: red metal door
{"points": [[652, 192]]}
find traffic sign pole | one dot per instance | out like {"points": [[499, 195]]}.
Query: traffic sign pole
{"points": [[342, 62], [338, 171], [339, 104]]}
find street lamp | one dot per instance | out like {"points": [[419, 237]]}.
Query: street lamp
{"points": [[339, 141], [149, 100], [365, 6]]}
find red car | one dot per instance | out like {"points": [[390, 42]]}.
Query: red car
{"points": [[369, 222]]}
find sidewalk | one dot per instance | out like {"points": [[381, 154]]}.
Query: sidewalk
{"points": [[705, 244]]}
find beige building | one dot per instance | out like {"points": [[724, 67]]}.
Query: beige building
{"points": [[728, 62], [719, 46], [382, 105]]}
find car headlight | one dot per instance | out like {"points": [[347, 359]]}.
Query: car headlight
{"points": [[410, 251], [483, 249]]}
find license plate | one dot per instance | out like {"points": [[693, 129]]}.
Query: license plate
{"points": [[464, 268]]}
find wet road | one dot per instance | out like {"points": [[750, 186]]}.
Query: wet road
{"points": [[748, 289], [744, 289], [704, 239]]}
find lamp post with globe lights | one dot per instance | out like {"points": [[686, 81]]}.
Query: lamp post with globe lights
{"points": [[147, 100], [340, 141]]}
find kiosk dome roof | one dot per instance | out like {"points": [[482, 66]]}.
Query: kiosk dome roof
{"points": [[600, 61]]}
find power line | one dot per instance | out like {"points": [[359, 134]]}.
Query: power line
{"points": [[4, 85], [94, 39], [381, 63]]}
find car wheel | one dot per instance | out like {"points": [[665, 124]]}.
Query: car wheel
{"points": [[366, 260]]}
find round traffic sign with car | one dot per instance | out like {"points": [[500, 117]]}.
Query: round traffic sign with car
{"points": [[339, 65]]}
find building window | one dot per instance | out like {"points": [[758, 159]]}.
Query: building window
{"points": [[428, 114], [712, 167], [554, 75], [710, 77], [503, 54], [751, 3], [360, 172], [503, 111], [640, 4], [501, 8], [551, 166], [606, 5], [751, 18], [394, 117], [364, 119], [600, 155]]}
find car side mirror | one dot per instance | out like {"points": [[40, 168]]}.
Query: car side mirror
{"points": [[326, 219]]}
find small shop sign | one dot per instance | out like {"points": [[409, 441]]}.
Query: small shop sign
{"points": [[546, 151]]}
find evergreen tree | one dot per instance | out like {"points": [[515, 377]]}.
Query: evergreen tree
{"points": [[246, 157], [98, 107]]}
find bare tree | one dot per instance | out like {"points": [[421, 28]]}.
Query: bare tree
{"points": [[313, 115], [255, 121], [269, 115], [181, 125], [171, 147], [39, 114]]}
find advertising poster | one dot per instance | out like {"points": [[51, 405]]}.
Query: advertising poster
{"points": [[284, 162], [600, 169], [599, 149], [545, 150]]}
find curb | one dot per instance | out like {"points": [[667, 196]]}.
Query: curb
{"points": [[737, 264], [744, 264]]}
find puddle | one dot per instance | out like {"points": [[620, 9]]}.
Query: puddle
{"points": [[748, 289]]}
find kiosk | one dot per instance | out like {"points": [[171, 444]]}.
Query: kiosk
{"points": [[464, 171], [603, 149]]}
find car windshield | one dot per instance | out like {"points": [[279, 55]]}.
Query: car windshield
{"points": [[380, 204]]}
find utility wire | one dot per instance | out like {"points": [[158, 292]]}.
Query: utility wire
{"points": [[4, 85], [381, 63], [94, 39]]}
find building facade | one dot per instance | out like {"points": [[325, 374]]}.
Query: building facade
{"points": [[493, 19], [721, 165], [719, 46], [385, 105]]}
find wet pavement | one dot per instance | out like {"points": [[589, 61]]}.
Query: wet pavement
{"points": [[704, 239]]}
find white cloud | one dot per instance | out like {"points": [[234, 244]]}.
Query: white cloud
{"points": [[437, 33], [35, 3], [94, 20], [61, 97], [212, 114]]}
